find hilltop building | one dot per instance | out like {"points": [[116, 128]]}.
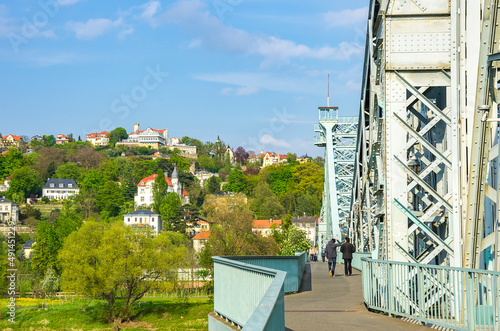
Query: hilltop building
{"points": [[263, 227], [143, 218], [98, 139], [144, 196], [309, 224], [273, 158], [62, 139], [155, 138], [10, 140]]}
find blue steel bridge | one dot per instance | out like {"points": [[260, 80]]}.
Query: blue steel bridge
{"points": [[414, 180]]}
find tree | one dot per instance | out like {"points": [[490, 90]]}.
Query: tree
{"points": [[24, 181], [68, 170], [160, 190], [109, 199], [116, 135], [291, 240], [236, 181], [130, 261], [169, 210], [49, 141], [265, 203], [241, 155], [212, 185]]}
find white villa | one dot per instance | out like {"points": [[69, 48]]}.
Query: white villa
{"points": [[60, 189], [144, 196], [150, 137], [143, 218]]}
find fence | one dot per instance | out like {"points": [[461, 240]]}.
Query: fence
{"points": [[249, 294], [456, 298]]}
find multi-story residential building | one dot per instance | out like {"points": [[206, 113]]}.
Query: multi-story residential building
{"points": [[37, 138], [10, 140], [143, 218], [201, 224], [175, 141], [98, 139], [6, 184], [230, 152], [144, 196], [309, 224], [8, 210], [199, 240], [273, 158], [62, 139], [60, 189], [263, 227], [188, 151], [225, 201], [203, 176], [149, 137]]}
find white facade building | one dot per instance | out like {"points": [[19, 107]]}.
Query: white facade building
{"points": [[143, 218], [8, 210], [144, 196], [150, 137], [309, 225], [60, 189]]}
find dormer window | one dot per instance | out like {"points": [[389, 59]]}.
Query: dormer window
{"points": [[70, 185], [51, 184], [61, 185]]}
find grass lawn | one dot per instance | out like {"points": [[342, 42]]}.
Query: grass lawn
{"points": [[151, 314]]}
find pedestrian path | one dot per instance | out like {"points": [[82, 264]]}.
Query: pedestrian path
{"points": [[331, 303]]}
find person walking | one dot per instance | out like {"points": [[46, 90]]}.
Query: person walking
{"points": [[331, 255], [323, 255], [347, 249]]}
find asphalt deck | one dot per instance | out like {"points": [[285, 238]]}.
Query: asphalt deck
{"points": [[331, 303]]}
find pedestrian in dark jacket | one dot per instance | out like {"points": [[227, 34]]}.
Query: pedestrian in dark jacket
{"points": [[331, 255], [347, 249]]}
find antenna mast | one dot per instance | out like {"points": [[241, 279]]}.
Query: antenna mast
{"points": [[328, 95]]}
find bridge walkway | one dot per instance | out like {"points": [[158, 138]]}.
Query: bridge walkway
{"points": [[335, 303]]}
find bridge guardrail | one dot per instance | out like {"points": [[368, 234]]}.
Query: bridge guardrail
{"points": [[456, 298], [249, 290]]}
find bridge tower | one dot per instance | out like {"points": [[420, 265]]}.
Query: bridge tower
{"points": [[338, 137]]}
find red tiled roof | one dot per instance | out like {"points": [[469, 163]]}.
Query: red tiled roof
{"points": [[282, 156], [185, 193], [144, 181], [13, 137], [100, 134], [141, 131], [203, 235], [265, 223]]}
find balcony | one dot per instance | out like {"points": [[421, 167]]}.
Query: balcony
{"points": [[319, 140]]}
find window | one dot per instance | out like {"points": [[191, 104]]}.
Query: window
{"points": [[61, 185], [140, 220], [152, 219], [128, 220], [51, 185], [142, 191], [142, 199], [70, 185], [135, 220]]}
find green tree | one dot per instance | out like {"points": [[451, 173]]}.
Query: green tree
{"points": [[104, 260], [68, 170], [116, 135], [24, 181], [50, 282], [160, 190], [49, 141], [170, 212], [291, 240], [265, 203], [236, 182], [109, 199], [213, 185]]}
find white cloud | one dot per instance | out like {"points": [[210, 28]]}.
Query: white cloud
{"points": [[248, 90], [346, 17], [196, 19], [67, 2], [94, 27], [150, 9], [195, 43], [269, 140]]}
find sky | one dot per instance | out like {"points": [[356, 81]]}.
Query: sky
{"points": [[250, 71]]}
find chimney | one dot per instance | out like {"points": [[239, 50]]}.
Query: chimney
{"points": [[136, 127]]}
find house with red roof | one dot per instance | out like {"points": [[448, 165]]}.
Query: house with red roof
{"points": [[199, 240], [273, 158], [10, 140], [156, 138], [263, 227], [62, 139], [98, 138], [144, 195]]}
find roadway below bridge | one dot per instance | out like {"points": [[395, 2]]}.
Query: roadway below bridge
{"points": [[335, 303]]}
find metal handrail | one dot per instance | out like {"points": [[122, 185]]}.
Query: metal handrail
{"points": [[451, 297]]}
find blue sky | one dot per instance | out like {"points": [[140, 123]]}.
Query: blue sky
{"points": [[252, 71]]}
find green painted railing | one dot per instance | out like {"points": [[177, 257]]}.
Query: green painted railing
{"points": [[249, 294], [455, 298]]}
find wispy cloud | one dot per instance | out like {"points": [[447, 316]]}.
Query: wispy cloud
{"points": [[195, 18], [67, 2], [93, 28], [346, 17], [248, 90], [268, 140]]}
